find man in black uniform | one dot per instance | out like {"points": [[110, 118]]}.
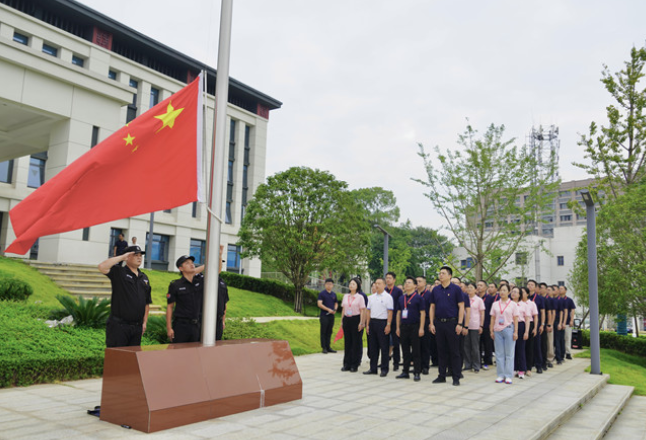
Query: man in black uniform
{"points": [[130, 299], [185, 297], [223, 299], [120, 246]]}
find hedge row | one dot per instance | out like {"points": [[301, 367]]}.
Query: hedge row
{"points": [[625, 344], [275, 288]]}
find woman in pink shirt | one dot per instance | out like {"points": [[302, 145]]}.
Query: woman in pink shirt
{"points": [[504, 332], [353, 306], [520, 362], [532, 310], [471, 353]]}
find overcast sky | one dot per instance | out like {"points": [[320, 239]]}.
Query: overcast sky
{"points": [[363, 81]]}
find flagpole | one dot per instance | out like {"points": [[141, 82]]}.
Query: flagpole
{"points": [[216, 193]]}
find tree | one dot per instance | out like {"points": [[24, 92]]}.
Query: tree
{"points": [[616, 152], [491, 194], [380, 205], [304, 220]]}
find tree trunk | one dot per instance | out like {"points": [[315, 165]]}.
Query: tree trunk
{"points": [[298, 298]]}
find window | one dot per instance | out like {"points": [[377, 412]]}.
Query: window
{"points": [[232, 152], [159, 251], [466, 264], [77, 61], [521, 258], [114, 236], [132, 108], [488, 224], [561, 283], [230, 172], [154, 97], [168, 211], [566, 218], [563, 206], [20, 38], [33, 252], [560, 261], [198, 251], [36, 175], [227, 214], [233, 258], [86, 234], [194, 210], [6, 171], [245, 171], [50, 50], [564, 193], [95, 136], [112, 74]]}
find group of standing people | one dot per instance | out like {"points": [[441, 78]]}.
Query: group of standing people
{"points": [[451, 325]]}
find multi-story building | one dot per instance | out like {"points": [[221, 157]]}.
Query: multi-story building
{"points": [[70, 77]]}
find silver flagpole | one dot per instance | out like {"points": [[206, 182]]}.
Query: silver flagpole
{"points": [[216, 193]]}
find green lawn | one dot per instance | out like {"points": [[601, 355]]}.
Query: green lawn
{"points": [[303, 336], [45, 290], [624, 369]]}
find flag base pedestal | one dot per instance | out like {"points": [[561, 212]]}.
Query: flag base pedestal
{"points": [[158, 387]]}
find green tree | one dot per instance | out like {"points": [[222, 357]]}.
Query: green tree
{"points": [[380, 205], [491, 193], [303, 220]]}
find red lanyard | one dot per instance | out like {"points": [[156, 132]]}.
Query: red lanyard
{"points": [[351, 300], [502, 311], [407, 302], [472, 301]]}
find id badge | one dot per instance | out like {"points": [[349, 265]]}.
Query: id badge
{"points": [[405, 314], [501, 321], [348, 313]]}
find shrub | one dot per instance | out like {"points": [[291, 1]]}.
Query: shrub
{"points": [[625, 344], [14, 289], [156, 329], [87, 313], [275, 288]]}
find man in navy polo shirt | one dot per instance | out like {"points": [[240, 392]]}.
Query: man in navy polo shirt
{"points": [[540, 305], [569, 322], [328, 304], [447, 312], [428, 352], [396, 293], [411, 316], [560, 310]]}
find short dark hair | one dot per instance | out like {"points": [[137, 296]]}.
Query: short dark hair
{"points": [[563, 286], [380, 278], [532, 281], [494, 284], [482, 281], [423, 277], [541, 284], [392, 274], [413, 279], [555, 285], [329, 280], [504, 282], [448, 269]]}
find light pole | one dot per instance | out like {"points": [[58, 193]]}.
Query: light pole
{"points": [[386, 235], [593, 287]]}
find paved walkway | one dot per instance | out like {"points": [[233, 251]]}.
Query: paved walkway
{"points": [[335, 405]]}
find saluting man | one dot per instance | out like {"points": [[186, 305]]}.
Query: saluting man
{"points": [[130, 299], [185, 298]]}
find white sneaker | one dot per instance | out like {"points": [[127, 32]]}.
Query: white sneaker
{"points": [[499, 380], [521, 375], [508, 381]]}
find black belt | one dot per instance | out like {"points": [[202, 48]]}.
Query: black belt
{"points": [[123, 321], [446, 319], [191, 320], [378, 320]]}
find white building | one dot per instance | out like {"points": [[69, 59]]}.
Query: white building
{"points": [[70, 77]]}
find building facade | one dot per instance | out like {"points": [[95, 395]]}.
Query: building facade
{"points": [[70, 78]]}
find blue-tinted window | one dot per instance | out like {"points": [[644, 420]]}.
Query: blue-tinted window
{"points": [[112, 74], [86, 234], [50, 50], [95, 136], [36, 176], [114, 236], [230, 172], [227, 214], [233, 258], [194, 210], [159, 252], [78, 61], [198, 251], [6, 171], [154, 97], [560, 260], [20, 38]]}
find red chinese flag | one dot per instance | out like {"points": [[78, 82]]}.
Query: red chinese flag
{"points": [[339, 334], [151, 164]]}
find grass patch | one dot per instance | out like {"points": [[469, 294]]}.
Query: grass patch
{"points": [[45, 290], [624, 369]]}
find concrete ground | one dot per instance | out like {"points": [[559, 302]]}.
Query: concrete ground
{"points": [[338, 405]]}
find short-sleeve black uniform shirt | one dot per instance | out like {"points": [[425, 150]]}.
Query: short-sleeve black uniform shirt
{"points": [[187, 296], [130, 293]]}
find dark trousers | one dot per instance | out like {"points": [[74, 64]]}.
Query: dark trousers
{"points": [[352, 339], [186, 331], [425, 348], [448, 348], [219, 328], [538, 352], [543, 347], [359, 348], [122, 334], [520, 363], [432, 343], [378, 345], [472, 350], [486, 344], [327, 324], [394, 341], [410, 343], [529, 347], [559, 345]]}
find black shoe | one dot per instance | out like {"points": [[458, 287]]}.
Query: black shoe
{"points": [[550, 365], [425, 371], [403, 376], [324, 351], [568, 356], [416, 377], [353, 370], [456, 382], [461, 376], [539, 370], [435, 365], [383, 374], [440, 380], [345, 369], [369, 372], [559, 362], [331, 351], [396, 367]]}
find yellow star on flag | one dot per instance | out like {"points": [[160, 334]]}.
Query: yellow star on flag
{"points": [[135, 149], [168, 118], [129, 139]]}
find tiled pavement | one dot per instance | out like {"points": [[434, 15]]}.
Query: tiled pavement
{"points": [[338, 405]]}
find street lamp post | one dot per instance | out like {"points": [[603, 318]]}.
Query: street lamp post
{"points": [[386, 235], [593, 287]]}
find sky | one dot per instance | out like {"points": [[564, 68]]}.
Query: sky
{"points": [[364, 81]]}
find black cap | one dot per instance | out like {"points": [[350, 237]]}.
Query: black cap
{"points": [[183, 258], [136, 249]]}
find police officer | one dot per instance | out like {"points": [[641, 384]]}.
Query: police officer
{"points": [[447, 312], [328, 303], [185, 297], [130, 298], [223, 299]]}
